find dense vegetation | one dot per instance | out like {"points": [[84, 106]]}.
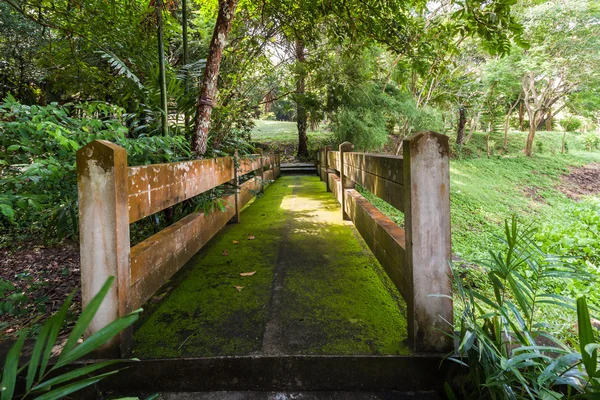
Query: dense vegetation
{"points": [[515, 83]]}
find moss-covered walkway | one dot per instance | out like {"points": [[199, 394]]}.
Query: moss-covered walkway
{"points": [[316, 289]]}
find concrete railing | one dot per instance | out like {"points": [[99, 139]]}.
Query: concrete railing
{"points": [[415, 258], [113, 195]]}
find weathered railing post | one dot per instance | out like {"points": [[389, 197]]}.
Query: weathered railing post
{"points": [[428, 247], [236, 184], [327, 150], [262, 170], [104, 235], [320, 162], [345, 182], [278, 164]]}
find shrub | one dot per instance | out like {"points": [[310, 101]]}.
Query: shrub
{"points": [[38, 380], [38, 180], [570, 124], [508, 351], [591, 142]]}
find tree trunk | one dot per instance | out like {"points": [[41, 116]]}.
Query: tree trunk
{"points": [[211, 75], [161, 70], [521, 116], [184, 32], [301, 117], [533, 121], [506, 121], [473, 127], [462, 120], [549, 121], [562, 150], [506, 131]]}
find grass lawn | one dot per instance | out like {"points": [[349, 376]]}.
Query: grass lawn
{"points": [[282, 132]]}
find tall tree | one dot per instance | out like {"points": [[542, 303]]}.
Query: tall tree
{"points": [[565, 53], [301, 117], [209, 86], [462, 120], [162, 73]]}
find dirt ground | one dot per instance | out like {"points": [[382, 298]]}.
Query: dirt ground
{"points": [[45, 276], [581, 181]]}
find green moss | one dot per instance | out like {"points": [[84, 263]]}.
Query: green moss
{"points": [[203, 313], [335, 299], [338, 297]]}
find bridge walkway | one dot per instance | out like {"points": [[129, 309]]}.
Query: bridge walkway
{"points": [[312, 287]]}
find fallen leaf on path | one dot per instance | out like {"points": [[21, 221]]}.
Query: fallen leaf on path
{"points": [[250, 237], [225, 252], [158, 298], [239, 288], [247, 273], [236, 242]]}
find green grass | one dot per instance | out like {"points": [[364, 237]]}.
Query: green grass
{"points": [[282, 131], [283, 137], [545, 143], [485, 192]]}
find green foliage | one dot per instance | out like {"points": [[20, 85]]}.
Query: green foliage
{"points": [[38, 191], [570, 124], [21, 303], [503, 338], [592, 142], [579, 243], [364, 114], [63, 382]]}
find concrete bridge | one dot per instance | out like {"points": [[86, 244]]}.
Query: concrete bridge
{"points": [[298, 283]]}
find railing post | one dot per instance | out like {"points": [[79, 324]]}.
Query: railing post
{"points": [[318, 164], [104, 235], [236, 184], [262, 171], [346, 183], [428, 246], [327, 150]]}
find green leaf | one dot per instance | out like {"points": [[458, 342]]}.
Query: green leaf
{"points": [[449, 392], [8, 212], [74, 374], [73, 387], [98, 339], [9, 375], [36, 355], [54, 325], [84, 320], [586, 336]]}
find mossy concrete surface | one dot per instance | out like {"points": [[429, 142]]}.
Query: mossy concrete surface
{"points": [[317, 288]]}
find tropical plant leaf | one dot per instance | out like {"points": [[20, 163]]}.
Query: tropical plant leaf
{"points": [[586, 337], [11, 365]]}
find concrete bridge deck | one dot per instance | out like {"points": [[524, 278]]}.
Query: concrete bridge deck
{"points": [[313, 287]]}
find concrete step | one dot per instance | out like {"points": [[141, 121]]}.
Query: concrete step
{"points": [[298, 168], [268, 375], [299, 396]]}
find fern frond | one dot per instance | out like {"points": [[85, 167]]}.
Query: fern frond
{"points": [[120, 67]]}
